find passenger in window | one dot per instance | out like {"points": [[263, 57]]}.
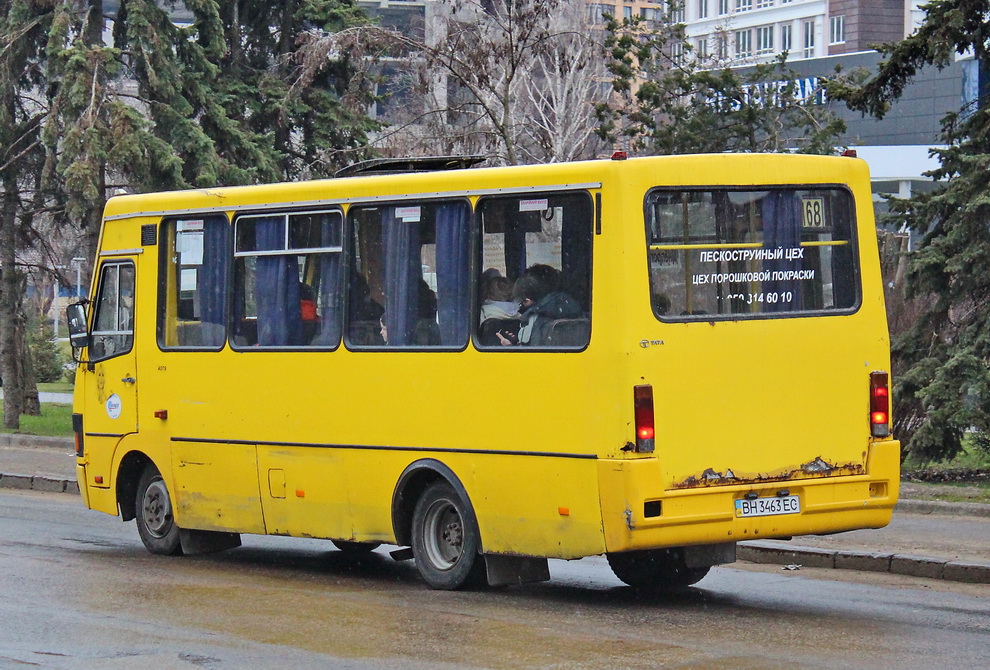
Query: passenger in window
{"points": [[366, 315], [497, 302], [308, 315], [541, 302], [426, 332]]}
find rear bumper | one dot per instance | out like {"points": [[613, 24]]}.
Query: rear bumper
{"points": [[638, 514]]}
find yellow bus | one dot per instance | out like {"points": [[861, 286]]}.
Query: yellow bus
{"points": [[651, 359]]}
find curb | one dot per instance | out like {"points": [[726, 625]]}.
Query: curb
{"points": [[23, 440], [972, 572], [39, 483], [943, 508]]}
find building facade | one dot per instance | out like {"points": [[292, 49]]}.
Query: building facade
{"points": [[749, 31]]}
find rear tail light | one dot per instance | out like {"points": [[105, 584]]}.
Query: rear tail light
{"points": [[643, 403], [879, 404], [77, 430]]}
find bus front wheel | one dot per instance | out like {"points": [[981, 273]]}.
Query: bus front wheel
{"points": [[655, 570], [153, 512], [445, 540]]}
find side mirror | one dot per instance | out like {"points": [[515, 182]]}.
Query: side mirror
{"points": [[75, 316]]}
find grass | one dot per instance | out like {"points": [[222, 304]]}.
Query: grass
{"points": [[55, 421], [56, 387]]}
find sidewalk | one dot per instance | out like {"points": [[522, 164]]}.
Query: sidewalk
{"points": [[936, 540]]}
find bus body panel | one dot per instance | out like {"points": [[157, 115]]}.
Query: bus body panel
{"points": [[313, 443]]}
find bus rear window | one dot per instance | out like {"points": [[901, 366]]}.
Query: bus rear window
{"points": [[729, 253]]}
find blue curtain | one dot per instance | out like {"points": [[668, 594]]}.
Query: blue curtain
{"points": [[276, 288], [403, 271], [331, 291], [453, 243], [213, 279], [781, 214]]}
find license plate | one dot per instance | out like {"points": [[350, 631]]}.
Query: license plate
{"points": [[768, 506]]}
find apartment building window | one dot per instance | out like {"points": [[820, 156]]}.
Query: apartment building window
{"points": [[809, 39], [702, 9], [786, 37], [744, 5], [764, 39], [597, 12], [744, 43], [722, 45], [837, 30], [677, 52], [760, 4], [701, 48], [723, 7], [676, 10], [627, 13]]}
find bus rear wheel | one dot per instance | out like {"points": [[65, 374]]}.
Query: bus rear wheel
{"points": [[153, 512], [445, 540], [655, 570]]}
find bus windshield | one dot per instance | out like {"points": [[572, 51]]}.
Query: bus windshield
{"points": [[730, 253]]}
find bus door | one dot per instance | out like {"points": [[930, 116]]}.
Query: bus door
{"points": [[111, 383]]}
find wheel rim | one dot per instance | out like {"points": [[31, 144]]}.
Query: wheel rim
{"points": [[157, 509], [444, 534]]}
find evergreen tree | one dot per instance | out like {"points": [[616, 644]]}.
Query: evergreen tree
{"points": [[669, 100], [23, 26], [92, 102], [942, 380]]}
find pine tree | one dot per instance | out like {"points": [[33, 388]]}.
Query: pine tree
{"points": [[217, 100], [942, 363]]}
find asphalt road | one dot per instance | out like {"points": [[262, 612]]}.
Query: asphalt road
{"points": [[79, 591]]}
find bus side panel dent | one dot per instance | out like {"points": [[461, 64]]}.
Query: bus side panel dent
{"points": [[216, 487], [101, 500]]}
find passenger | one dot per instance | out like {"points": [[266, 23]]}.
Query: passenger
{"points": [[497, 300], [307, 305], [363, 306], [541, 302]]}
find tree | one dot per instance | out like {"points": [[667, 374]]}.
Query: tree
{"points": [[216, 100], [516, 80], [23, 25], [942, 363], [668, 99]]}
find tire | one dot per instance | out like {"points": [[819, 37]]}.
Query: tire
{"points": [[445, 540], [153, 513], [356, 548], [655, 570]]}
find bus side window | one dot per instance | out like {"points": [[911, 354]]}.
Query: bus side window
{"points": [[287, 280], [542, 244], [113, 323], [193, 256], [409, 275]]}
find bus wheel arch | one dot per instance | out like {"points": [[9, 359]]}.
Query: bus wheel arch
{"points": [[129, 472], [413, 482], [432, 512]]}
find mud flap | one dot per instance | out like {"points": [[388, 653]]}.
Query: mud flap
{"points": [[707, 555], [207, 541], [511, 570]]}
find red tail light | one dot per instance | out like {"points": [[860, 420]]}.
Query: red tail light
{"points": [[643, 404], [879, 405]]}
